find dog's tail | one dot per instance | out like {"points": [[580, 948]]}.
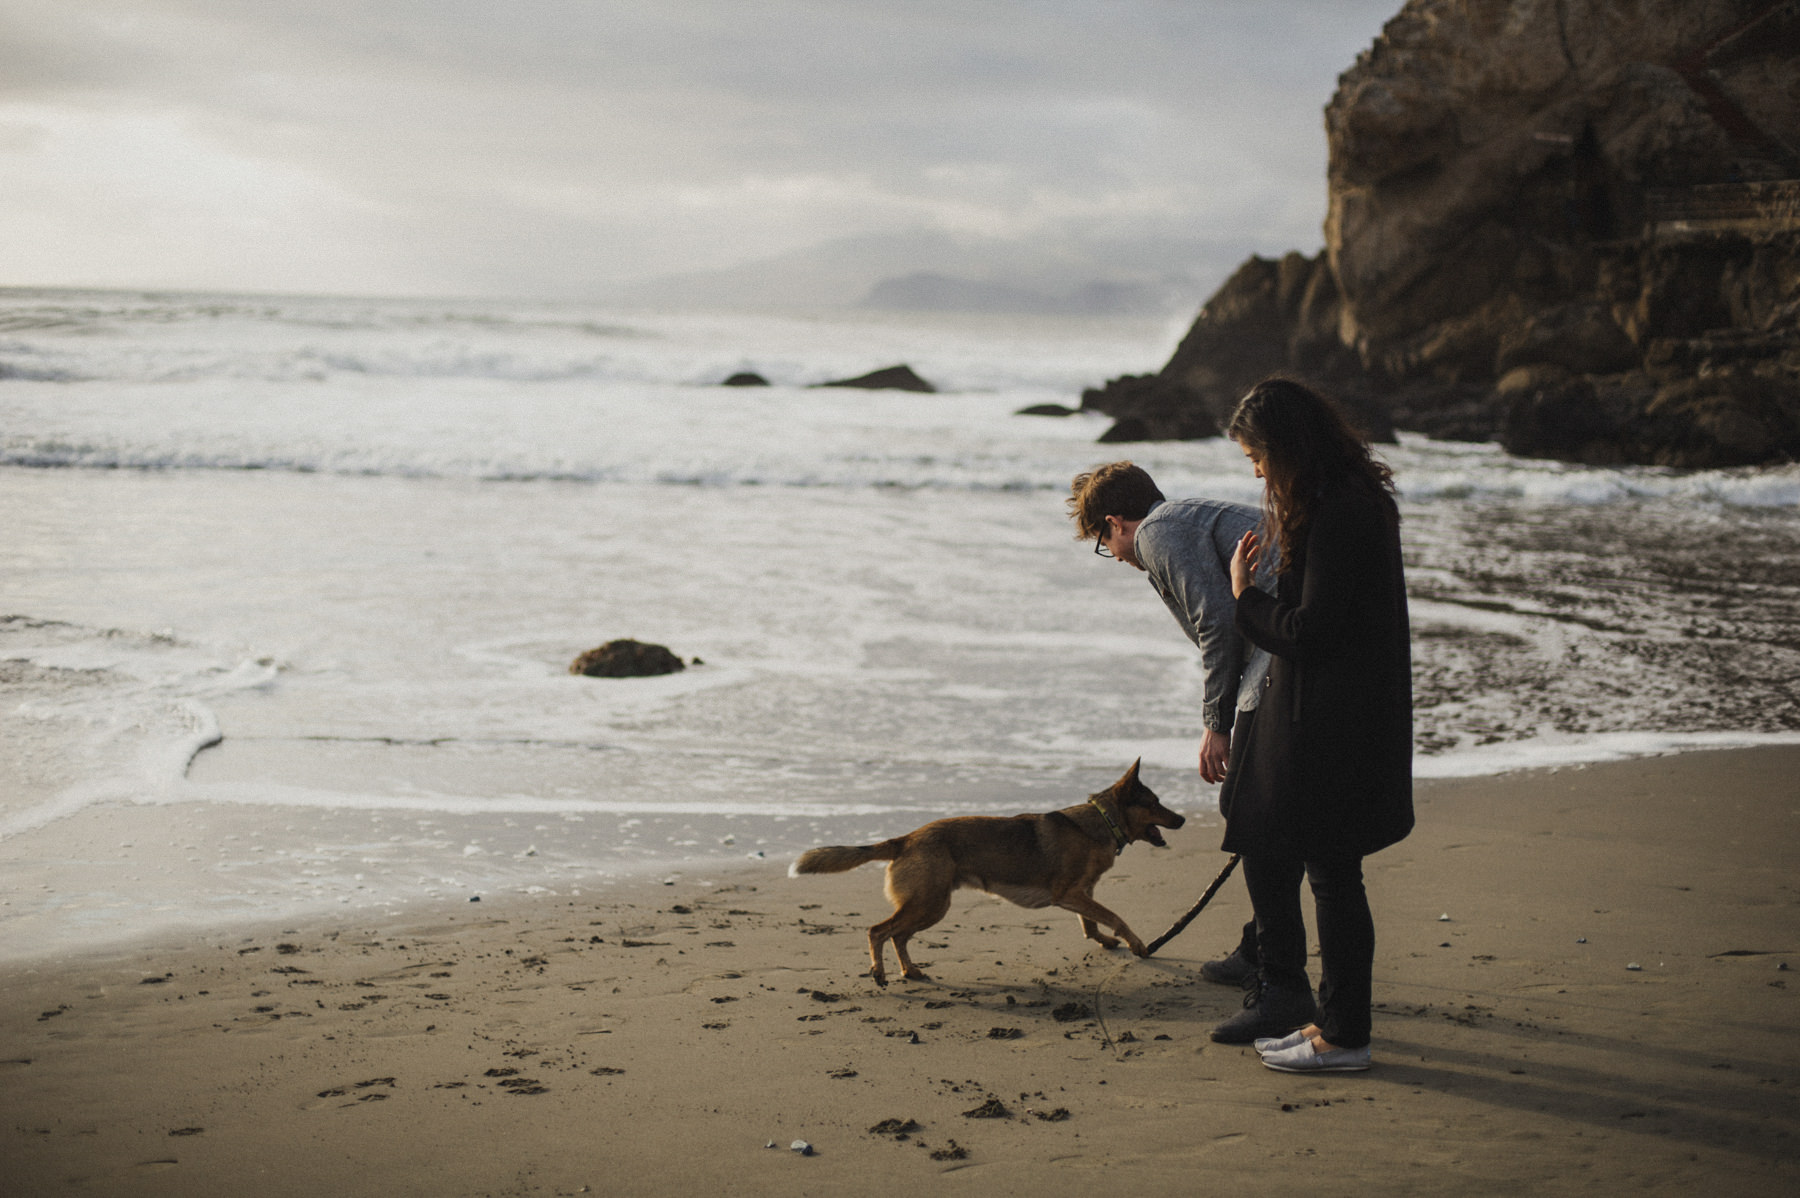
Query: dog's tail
{"points": [[836, 858]]}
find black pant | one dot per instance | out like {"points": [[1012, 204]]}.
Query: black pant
{"points": [[1346, 936]]}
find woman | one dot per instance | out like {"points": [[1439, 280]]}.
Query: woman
{"points": [[1322, 777]]}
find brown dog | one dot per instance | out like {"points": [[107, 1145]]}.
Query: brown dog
{"points": [[1033, 860]]}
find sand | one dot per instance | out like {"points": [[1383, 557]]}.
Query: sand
{"points": [[1581, 987]]}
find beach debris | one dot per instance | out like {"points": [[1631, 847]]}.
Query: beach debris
{"points": [[1781, 966], [950, 1152], [758, 855], [1444, 918], [1006, 1033], [474, 898], [770, 1144], [993, 1108], [1634, 967], [1581, 940], [900, 1129], [186, 1131], [626, 658], [745, 378], [1071, 1011], [802, 1147], [1056, 1116]]}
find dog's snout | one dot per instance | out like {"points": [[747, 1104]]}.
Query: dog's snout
{"points": [[1174, 819]]}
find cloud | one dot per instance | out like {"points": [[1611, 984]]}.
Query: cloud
{"points": [[566, 147]]}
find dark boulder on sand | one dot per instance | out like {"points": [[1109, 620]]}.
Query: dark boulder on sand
{"points": [[1568, 225], [1047, 409], [745, 378], [626, 659], [889, 378]]}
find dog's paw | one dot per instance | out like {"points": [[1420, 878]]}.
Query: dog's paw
{"points": [[1139, 949], [880, 979]]}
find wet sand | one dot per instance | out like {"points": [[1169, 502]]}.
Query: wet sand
{"points": [[1582, 987]]}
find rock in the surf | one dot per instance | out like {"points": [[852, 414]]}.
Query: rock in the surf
{"points": [[626, 658], [889, 378]]}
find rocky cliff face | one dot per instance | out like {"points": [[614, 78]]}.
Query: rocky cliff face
{"points": [[1572, 225]]}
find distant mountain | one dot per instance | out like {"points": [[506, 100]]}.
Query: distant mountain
{"points": [[930, 291], [928, 271]]}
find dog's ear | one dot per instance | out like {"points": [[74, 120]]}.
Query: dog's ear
{"points": [[1130, 779]]}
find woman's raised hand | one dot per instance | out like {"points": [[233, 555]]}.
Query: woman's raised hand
{"points": [[1243, 563]]}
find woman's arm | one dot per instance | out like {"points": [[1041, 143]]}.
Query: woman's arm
{"points": [[1341, 551]]}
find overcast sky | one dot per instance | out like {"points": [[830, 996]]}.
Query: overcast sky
{"points": [[560, 148]]}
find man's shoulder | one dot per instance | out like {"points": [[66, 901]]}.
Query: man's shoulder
{"points": [[1199, 511]]}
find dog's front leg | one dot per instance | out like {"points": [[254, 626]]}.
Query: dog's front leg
{"points": [[1092, 912], [1092, 931]]}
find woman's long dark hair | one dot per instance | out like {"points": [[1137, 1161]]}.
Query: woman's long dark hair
{"points": [[1306, 447]]}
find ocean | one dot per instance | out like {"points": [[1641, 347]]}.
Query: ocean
{"points": [[291, 586]]}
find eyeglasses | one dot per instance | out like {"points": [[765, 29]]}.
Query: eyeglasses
{"points": [[1100, 549]]}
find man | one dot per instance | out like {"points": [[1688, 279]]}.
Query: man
{"points": [[1185, 546]]}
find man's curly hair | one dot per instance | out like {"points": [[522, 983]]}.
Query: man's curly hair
{"points": [[1116, 489]]}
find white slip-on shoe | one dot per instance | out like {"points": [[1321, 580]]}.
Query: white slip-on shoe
{"points": [[1269, 1044], [1303, 1058]]}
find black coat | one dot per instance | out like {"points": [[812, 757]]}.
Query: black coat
{"points": [[1325, 766]]}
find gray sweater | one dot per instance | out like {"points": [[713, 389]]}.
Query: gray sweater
{"points": [[1185, 545]]}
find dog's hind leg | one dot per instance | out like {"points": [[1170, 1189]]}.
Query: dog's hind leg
{"points": [[920, 917], [914, 915], [878, 936]]}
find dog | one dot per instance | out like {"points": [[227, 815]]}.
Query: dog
{"points": [[1049, 860]]}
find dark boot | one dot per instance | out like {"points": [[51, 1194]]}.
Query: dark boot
{"points": [[1231, 970], [1269, 1010]]}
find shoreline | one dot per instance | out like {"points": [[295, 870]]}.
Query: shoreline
{"points": [[632, 880], [655, 1041]]}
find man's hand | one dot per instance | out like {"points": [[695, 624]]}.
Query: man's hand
{"points": [[1243, 563], [1215, 747]]}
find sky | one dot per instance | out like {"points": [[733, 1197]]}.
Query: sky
{"points": [[669, 149]]}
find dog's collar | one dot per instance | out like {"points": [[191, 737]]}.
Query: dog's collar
{"points": [[1120, 840]]}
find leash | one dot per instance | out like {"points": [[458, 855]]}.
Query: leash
{"points": [[1175, 930], [1181, 924]]}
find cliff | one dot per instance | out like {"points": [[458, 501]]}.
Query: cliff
{"points": [[1569, 225]]}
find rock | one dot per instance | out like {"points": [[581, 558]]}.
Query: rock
{"points": [[1570, 225], [889, 378], [1047, 409], [745, 378], [1580, 337], [1128, 430], [626, 659]]}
